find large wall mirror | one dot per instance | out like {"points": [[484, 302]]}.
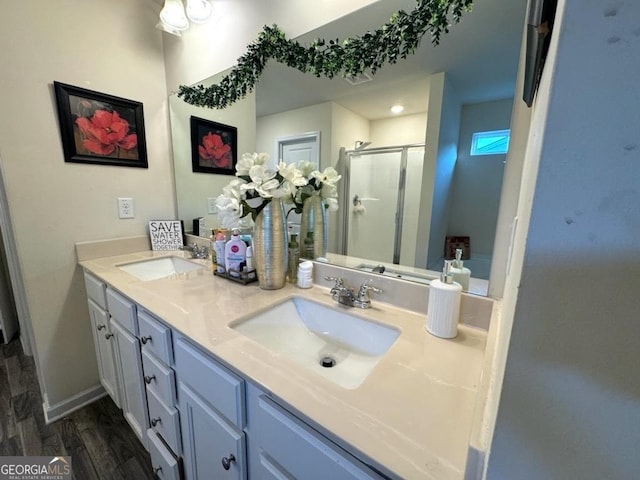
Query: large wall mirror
{"points": [[409, 180]]}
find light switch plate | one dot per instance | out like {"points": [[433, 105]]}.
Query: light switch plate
{"points": [[211, 202], [126, 207]]}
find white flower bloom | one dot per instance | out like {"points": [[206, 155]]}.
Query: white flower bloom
{"points": [[329, 190], [233, 189], [229, 211], [262, 181], [306, 167], [291, 174], [249, 160], [332, 204], [328, 176], [255, 202]]}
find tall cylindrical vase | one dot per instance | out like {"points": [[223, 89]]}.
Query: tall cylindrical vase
{"points": [[270, 245], [314, 219]]}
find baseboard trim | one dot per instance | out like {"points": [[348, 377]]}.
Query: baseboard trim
{"points": [[61, 409]]}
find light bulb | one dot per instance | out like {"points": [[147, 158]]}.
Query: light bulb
{"points": [[397, 109], [172, 16], [199, 11]]}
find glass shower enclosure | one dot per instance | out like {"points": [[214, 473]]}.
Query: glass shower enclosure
{"points": [[381, 203]]}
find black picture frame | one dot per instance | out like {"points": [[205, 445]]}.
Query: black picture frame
{"points": [[214, 147], [100, 128]]}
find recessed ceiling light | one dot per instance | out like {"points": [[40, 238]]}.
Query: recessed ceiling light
{"points": [[397, 109]]}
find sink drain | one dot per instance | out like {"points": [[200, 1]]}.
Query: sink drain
{"points": [[327, 362]]}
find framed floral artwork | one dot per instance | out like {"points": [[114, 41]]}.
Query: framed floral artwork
{"points": [[100, 128], [214, 147]]}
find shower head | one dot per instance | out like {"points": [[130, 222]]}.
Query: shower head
{"points": [[361, 144]]}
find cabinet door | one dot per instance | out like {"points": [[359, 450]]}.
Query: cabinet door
{"points": [[103, 340], [284, 441], [134, 399], [212, 448]]}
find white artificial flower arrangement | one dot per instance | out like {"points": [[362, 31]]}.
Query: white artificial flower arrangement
{"points": [[256, 186]]}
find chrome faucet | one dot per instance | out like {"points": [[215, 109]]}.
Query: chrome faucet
{"points": [[347, 296], [196, 251]]}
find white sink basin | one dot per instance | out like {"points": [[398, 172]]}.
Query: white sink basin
{"points": [[159, 267], [311, 334]]}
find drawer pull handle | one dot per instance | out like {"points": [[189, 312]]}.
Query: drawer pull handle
{"points": [[101, 327], [108, 335], [227, 461], [155, 471], [155, 421], [144, 340], [148, 379]]}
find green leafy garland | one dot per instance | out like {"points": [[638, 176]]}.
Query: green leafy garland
{"points": [[397, 38]]}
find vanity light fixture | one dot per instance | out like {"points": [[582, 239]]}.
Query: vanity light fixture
{"points": [[173, 18], [396, 109]]}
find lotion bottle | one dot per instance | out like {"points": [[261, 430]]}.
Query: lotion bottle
{"points": [[443, 309], [461, 274], [235, 253]]}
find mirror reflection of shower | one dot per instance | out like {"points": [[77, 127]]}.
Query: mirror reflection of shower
{"points": [[382, 202]]}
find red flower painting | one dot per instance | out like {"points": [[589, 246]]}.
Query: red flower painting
{"points": [[105, 133], [215, 150]]}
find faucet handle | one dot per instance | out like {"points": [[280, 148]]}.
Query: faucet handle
{"points": [[363, 293], [339, 281]]}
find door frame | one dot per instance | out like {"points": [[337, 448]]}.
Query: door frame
{"points": [[281, 142], [15, 274]]}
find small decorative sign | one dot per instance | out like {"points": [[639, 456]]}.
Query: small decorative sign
{"points": [[165, 234]]}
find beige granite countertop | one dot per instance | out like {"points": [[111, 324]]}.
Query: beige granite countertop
{"points": [[413, 414]]}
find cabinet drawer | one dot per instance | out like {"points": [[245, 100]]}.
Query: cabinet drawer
{"points": [[96, 290], [163, 463], [165, 420], [212, 381], [299, 449], [122, 310], [155, 337], [159, 378]]}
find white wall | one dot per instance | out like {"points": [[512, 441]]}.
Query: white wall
{"points": [[54, 204], [194, 188], [316, 118], [477, 180], [205, 50], [403, 130], [448, 127], [570, 404]]}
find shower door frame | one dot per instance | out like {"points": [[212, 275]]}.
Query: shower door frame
{"points": [[346, 201]]}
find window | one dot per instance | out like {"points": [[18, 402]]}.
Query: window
{"points": [[490, 143]]}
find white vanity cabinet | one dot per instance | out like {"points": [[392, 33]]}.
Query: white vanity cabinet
{"points": [[102, 337], [199, 418], [124, 326], [212, 415]]}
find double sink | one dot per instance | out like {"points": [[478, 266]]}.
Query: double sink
{"points": [[331, 341]]}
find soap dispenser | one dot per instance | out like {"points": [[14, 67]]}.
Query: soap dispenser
{"points": [[443, 309], [461, 274]]}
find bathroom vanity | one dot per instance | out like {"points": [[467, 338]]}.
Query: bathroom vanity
{"points": [[208, 401]]}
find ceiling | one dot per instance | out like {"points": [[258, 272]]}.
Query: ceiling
{"points": [[480, 56]]}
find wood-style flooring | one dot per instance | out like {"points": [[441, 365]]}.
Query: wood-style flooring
{"points": [[97, 437]]}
